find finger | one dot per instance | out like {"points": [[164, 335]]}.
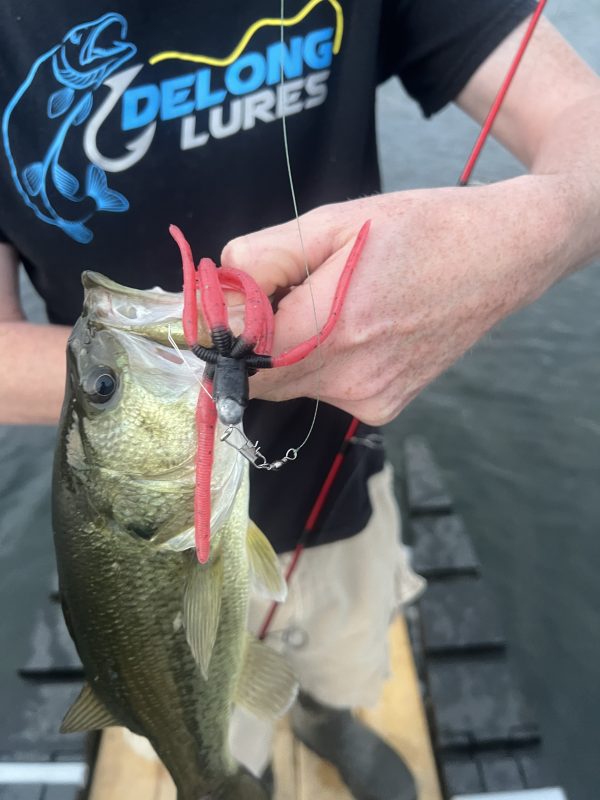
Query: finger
{"points": [[294, 323], [278, 257], [305, 311]]}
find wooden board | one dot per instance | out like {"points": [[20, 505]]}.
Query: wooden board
{"points": [[399, 716], [124, 770]]}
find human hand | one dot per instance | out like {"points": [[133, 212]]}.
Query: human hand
{"points": [[439, 268]]}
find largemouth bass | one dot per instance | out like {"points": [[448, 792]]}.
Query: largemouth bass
{"points": [[161, 637]]}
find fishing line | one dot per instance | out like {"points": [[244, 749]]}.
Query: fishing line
{"points": [[300, 236], [175, 347]]}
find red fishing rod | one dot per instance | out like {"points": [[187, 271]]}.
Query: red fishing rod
{"points": [[499, 99], [315, 513]]}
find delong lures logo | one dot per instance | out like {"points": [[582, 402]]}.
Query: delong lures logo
{"points": [[211, 98]]}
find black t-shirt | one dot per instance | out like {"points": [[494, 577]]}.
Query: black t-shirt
{"points": [[120, 118]]}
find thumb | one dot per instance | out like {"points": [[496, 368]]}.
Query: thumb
{"points": [[278, 257]]}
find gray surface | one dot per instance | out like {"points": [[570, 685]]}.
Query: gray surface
{"points": [[52, 655], [535, 794], [459, 615], [425, 490], [441, 546], [492, 771], [516, 427], [476, 703], [25, 792]]}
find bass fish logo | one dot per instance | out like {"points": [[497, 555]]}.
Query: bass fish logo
{"points": [[76, 67]]}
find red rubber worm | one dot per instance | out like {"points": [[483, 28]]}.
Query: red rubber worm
{"points": [[232, 359]]}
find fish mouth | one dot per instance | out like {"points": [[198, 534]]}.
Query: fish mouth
{"points": [[100, 42], [95, 280], [151, 313], [98, 49]]}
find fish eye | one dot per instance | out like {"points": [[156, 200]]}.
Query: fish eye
{"points": [[100, 384]]}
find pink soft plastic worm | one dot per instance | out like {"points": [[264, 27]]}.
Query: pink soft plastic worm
{"points": [[257, 334], [206, 422], [300, 351], [190, 307], [258, 320]]}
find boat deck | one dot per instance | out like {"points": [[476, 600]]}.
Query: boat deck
{"points": [[123, 769]]}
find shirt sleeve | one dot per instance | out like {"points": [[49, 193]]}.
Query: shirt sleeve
{"points": [[435, 46]]}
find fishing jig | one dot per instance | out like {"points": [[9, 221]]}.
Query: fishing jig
{"points": [[233, 359]]}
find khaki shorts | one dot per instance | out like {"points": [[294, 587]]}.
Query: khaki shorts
{"points": [[333, 626]]}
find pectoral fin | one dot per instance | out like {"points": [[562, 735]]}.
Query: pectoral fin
{"points": [[84, 109], [87, 714], [267, 686], [32, 177], [67, 184], [59, 102], [178, 542], [267, 577], [202, 610]]}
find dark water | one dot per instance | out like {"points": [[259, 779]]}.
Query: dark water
{"points": [[515, 426]]}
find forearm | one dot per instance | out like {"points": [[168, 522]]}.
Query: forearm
{"points": [[570, 152], [548, 223], [543, 226], [550, 121], [531, 232], [32, 364]]}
